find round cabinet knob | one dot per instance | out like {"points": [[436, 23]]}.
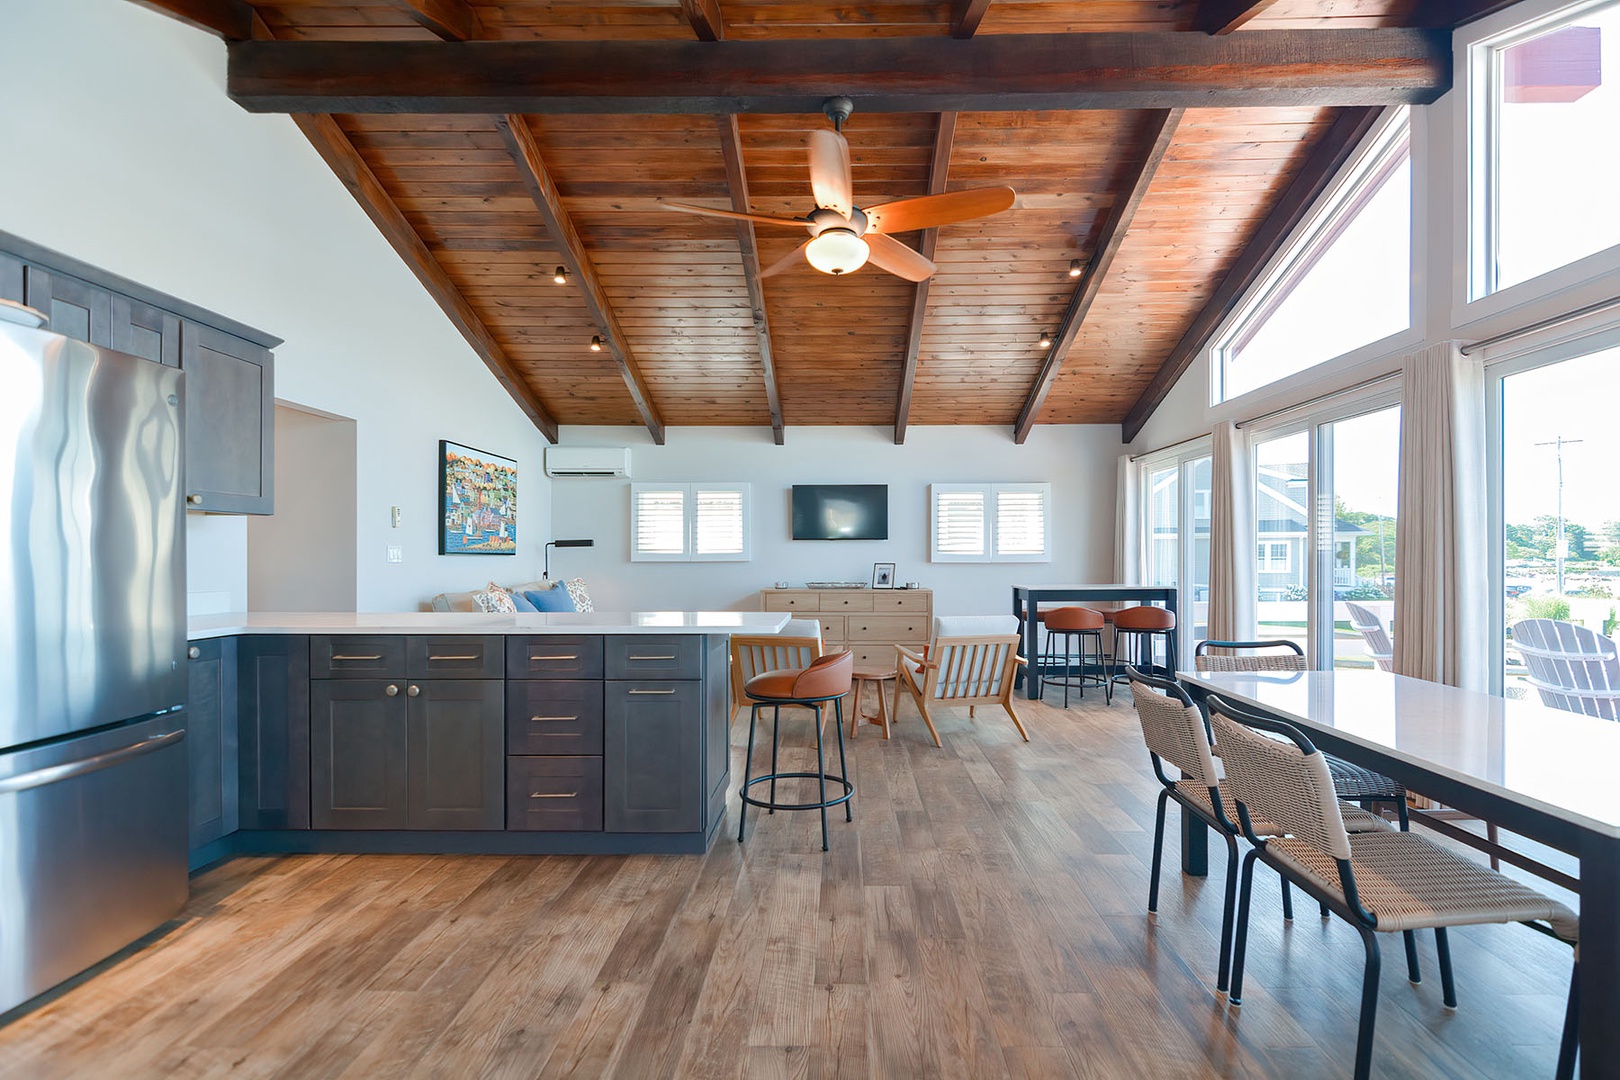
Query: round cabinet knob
{"points": [[413, 691], [194, 500], [392, 690], [193, 652]]}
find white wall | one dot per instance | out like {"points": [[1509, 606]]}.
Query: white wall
{"points": [[290, 563], [1079, 462], [120, 148]]}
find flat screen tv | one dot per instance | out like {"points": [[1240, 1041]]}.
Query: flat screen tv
{"points": [[840, 511]]}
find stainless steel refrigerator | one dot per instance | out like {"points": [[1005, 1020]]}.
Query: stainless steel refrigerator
{"points": [[92, 655]]}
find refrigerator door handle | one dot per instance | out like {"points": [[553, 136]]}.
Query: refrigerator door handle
{"points": [[52, 774]]}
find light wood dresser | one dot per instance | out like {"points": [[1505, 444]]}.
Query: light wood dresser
{"points": [[868, 622]]}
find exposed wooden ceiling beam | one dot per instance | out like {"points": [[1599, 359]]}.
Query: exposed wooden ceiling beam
{"points": [[452, 20], [525, 151], [944, 139], [1314, 176], [1224, 16], [1114, 229], [344, 160], [707, 21], [230, 19], [966, 15], [737, 180], [1453, 13], [998, 73]]}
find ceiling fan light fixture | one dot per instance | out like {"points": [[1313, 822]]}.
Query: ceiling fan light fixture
{"points": [[1074, 267], [837, 251], [596, 343], [561, 276]]}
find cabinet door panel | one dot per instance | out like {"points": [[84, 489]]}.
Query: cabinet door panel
{"points": [[76, 308], [211, 740], [554, 716], [230, 419], [652, 757], [11, 278], [358, 758], [273, 716], [144, 330], [457, 754], [554, 794]]}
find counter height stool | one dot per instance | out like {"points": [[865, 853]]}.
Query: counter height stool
{"points": [[1136, 629], [827, 679], [1086, 625]]}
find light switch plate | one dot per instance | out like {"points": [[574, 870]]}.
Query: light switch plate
{"points": [[393, 518], [396, 553]]}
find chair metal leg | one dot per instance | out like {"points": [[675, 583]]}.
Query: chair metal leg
{"points": [[748, 771], [1369, 1006], [776, 733], [1406, 820], [1223, 977], [1288, 900], [843, 762], [1568, 1045], [1326, 914], [1448, 985], [1158, 850], [821, 768], [1414, 974], [1241, 944]]}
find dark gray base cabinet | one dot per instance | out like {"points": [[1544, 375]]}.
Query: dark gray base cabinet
{"points": [[272, 693], [211, 740], [652, 754], [358, 755]]}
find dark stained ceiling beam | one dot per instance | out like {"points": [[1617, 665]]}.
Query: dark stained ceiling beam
{"points": [[1446, 14], [937, 169], [525, 151], [707, 21], [1313, 178], [966, 15], [737, 180], [452, 20], [1114, 229], [345, 161], [998, 73], [1224, 16], [230, 19]]}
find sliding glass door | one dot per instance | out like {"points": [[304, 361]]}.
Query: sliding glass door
{"points": [[1175, 533]]}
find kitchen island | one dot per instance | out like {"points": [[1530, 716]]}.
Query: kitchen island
{"points": [[438, 732]]}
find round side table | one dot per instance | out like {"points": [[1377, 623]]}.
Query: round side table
{"points": [[877, 677]]}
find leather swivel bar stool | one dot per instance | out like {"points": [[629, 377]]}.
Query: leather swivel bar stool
{"points": [[827, 679], [1136, 633], [1086, 625]]}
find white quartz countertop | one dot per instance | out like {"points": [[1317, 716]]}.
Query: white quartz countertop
{"points": [[458, 622]]}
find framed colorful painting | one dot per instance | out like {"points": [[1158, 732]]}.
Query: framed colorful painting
{"points": [[477, 502]]}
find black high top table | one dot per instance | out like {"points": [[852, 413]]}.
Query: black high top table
{"points": [[1027, 600]]}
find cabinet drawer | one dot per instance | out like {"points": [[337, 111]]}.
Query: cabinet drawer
{"points": [[554, 716], [882, 657], [554, 656], [554, 794], [845, 600], [900, 600], [456, 656], [832, 628], [900, 628], [790, 600], [357, 656], [655, 656]]}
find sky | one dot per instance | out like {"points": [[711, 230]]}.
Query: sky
{"points": [[1578, 399]]}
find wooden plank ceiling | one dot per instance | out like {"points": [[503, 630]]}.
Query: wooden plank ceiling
{"points": [[1154, 208]]}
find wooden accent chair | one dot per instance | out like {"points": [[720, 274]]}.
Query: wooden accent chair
{"points": [[795, 648], [972, 661]]}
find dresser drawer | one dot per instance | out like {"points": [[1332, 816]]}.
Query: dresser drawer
{"points": [[901, 628], [882, 657], [554, 794], [357, 656], [832, 629], [900, 600], [554, 656], [790, 600], [554, 716], [458, 656], [655, 656], [845, 600]]}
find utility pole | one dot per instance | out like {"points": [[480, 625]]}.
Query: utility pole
{"points": [[1558, 541]]}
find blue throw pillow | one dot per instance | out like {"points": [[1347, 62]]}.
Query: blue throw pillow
{"points": [[554, 599], [521, 602]]}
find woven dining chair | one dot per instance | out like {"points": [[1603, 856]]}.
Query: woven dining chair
{"points": [[1177, 732], [1378, 882]]}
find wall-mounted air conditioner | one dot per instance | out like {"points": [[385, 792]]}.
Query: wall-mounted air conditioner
{"points": [[587, 461]]}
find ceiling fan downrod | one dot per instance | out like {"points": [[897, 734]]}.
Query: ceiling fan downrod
{"points": [[838, 110]]}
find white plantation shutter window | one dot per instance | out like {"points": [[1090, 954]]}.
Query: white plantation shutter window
{"points": [[990, 522], [686, 522]]}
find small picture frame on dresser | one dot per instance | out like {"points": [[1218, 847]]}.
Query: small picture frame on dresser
{"points": [[883, 575]]}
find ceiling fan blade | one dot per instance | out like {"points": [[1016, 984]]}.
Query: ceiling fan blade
{"points": [[761, 219], [786, 262], [927, 211], [891, 255], [829, 172]]}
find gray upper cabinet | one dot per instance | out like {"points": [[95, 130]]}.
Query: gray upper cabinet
{"points": [[145, 330], [11, 278], [76, 308], [230, 422]]}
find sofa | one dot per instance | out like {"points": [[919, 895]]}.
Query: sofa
{"points": [[468, 601]]}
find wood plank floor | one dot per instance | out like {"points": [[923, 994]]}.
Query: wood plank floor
{"points": [[983, 917]]}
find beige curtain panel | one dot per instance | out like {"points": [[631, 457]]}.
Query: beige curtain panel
{"points": [[1231, 537]]}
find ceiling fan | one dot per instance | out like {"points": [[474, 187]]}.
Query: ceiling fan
{"points": [[844, 236]]}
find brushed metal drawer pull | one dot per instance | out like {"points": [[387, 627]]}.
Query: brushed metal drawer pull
{"points": [[574, 656], [339, 656], [650, 658], [433, 658], [651, 691], [551, 719], [560, 795]]}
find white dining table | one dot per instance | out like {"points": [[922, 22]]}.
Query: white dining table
{"points": [[1550, 775]]}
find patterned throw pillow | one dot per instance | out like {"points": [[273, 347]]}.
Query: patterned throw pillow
{"points": [[495, 600], [582, 598]]}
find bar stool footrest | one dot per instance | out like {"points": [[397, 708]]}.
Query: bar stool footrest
{"points": [[766, 804]]}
